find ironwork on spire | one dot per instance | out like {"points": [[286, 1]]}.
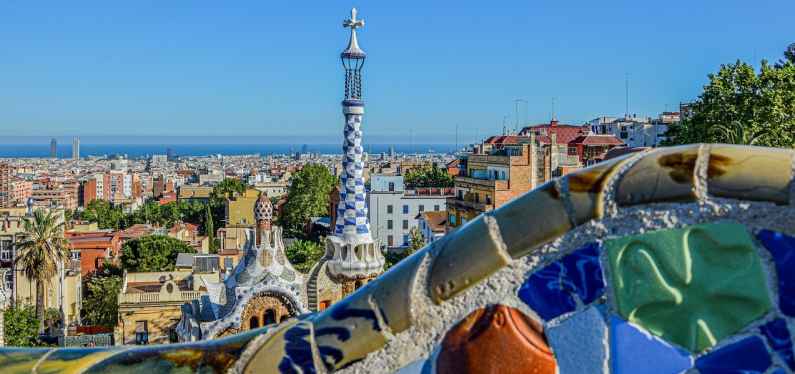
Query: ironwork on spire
{"points": [[353, 60]]}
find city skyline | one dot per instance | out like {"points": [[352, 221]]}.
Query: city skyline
{"points": [[136, 70]]}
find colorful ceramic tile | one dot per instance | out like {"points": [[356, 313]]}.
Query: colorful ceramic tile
{"points": [[497, 339], [554, 289], [782, 248], [692, 286], [778, 338], [638, 352], [580, 342], [747, 356]]}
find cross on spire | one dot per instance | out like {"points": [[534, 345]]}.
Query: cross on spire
{"points": [[353, 23]]}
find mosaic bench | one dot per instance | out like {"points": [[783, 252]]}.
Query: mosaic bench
{"points": [[675, 260]]}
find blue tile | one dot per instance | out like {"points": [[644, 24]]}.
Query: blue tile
{"points": [[551, 290], [782, 248], [747, 356], [633, 350], [778, 338], [578, 342]]}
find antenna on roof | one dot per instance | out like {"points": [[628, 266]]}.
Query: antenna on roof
{"points": [[626, 95], [553, 110]]}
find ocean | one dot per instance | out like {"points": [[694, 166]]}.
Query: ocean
{"points": [[145, 150]]}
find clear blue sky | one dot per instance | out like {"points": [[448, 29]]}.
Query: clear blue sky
{"points": [[265, 68]]}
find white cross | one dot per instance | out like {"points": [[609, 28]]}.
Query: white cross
{"points": [[353, 23]]}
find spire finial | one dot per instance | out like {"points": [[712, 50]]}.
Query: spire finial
{"points": [[353, 23]]}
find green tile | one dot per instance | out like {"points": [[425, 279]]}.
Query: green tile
{"points": [[691, 286]]}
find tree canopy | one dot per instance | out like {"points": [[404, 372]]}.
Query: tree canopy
{"points": [[100, 301], [303, 254], [428, 176], [21, 327], [152, 253], [307, 197], [742, 106], [104, 214]]}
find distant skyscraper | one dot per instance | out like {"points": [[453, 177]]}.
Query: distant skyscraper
{"points": [[53, 148], [76, 148], [170, 156]]}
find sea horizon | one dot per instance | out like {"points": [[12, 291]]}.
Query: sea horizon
{"points": [[199, 149]]}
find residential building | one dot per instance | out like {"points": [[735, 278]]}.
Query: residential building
{"points": [[432, 225], [150, 304], [194, 192], [636, 131], [5, 185], [592, 148], [504, 167], [393, 208], [240, 208], [92, 249]]}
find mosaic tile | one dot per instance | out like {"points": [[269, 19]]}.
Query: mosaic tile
{"points": [[497, 339], [747, 356], [665, 174], [554, 289], [782, 248], [635, 351], [579, 342], [761, 174], [462, 260], [523, 232], [692, 286], [779, 339]]}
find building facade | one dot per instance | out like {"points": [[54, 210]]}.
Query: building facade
{"points": [[393, 209]]}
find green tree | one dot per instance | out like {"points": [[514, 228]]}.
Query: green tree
{"points": [[21, 327], [104, 214], [307, 197], [428, 176], [209, 228], [152, 253], [742, 106], [43, 249], [100, 301], [416, 242], [303, 254], [227, 188]]}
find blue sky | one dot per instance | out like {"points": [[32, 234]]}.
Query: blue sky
{"points": [[271, 68]]}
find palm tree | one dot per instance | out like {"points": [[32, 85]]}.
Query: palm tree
{"points": [[42, 252]]}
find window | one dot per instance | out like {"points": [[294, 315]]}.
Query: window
{"points": [[421, 208], [5, 251], [141, 332], [389, 209], [405, 224], [435, 208], [228, 263], [405, 209], [269, 317], [451, 218], [405, 240], [75, 255], [390, 241], [389, 224], [488, 199], [391, 186]]}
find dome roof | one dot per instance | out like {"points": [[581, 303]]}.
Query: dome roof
{"points": [[263, 210]]}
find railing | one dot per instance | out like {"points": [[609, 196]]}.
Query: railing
{"points": [[455, 202], [494, 183], [430, 191], [96, 340], [155, 297]]}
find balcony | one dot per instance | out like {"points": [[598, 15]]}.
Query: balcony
{"points": [[490, 183], [157, 297], [453, 202]]}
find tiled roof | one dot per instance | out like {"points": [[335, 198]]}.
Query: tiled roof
{"points": [[592, 139], [436, 220]]}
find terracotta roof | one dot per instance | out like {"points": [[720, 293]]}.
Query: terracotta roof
{"points": [[592, 139], [502, 139], [565, 133], [436, 220]]}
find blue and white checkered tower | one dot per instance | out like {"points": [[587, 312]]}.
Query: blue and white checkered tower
{"points": [[354, 254]]}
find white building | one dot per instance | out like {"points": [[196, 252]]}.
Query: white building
{"points": [[393, 209], [432, 225], [636, 131]]}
